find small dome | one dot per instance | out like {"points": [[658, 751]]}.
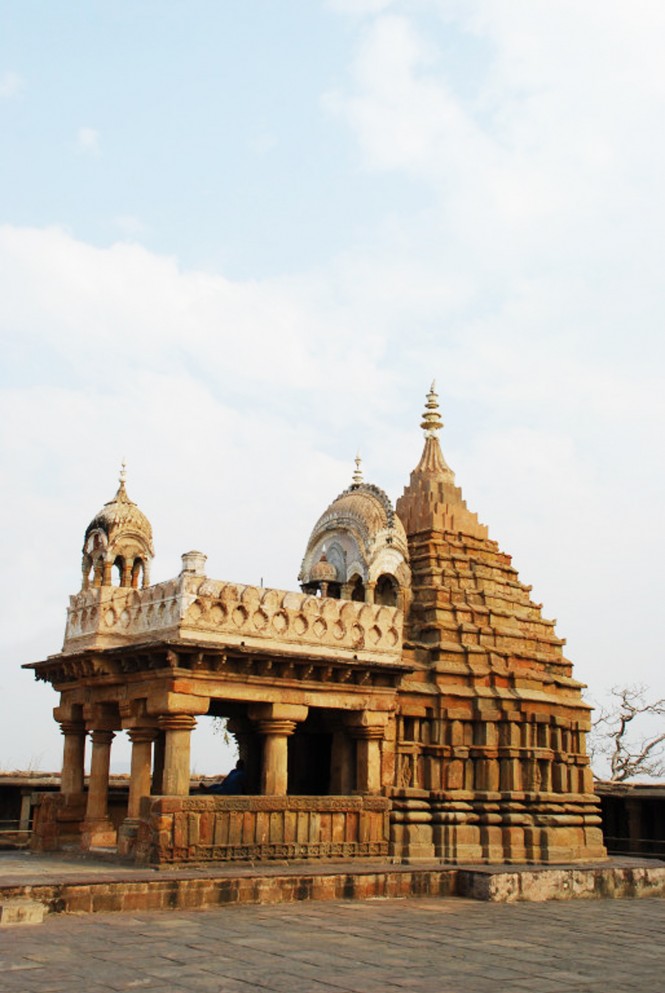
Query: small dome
{"points": [[122, 515], [323, 571], [119, 535], [364, 542]]}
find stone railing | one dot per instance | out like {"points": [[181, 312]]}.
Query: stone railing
{"points": [[257, 828], [194, 608]]}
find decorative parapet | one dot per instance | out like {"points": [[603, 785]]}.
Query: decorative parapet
{"points": [[177, 830], [196, 609]]}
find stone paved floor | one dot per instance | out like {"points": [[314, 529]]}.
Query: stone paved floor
{"points": [[437, 946]]}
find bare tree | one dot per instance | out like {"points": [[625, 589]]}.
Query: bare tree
{"points": [[618, 734]]}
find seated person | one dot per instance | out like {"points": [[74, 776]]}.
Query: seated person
{"points": [[231, 785]]}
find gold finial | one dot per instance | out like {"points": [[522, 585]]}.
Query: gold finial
{"points": [[431, 422], [123, 473], [358, 474]]}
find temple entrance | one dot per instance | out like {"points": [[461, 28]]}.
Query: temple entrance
{"points": [[309, 764]]}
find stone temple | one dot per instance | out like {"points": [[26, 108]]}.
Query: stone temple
{"points": [[409, 703]]}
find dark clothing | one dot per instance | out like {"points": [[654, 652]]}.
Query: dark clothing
{"points": [[231, 785]]}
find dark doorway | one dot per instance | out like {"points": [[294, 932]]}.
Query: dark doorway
{"points": [[309, 761]]}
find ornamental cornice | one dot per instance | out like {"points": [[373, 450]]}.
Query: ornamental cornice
{"points": [[166, 660]]}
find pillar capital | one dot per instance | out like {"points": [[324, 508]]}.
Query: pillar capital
{"points": [[278, 726], [101, 736], [142, 735], [278, 711], [72, 727], [176, 722], [367, 733]]}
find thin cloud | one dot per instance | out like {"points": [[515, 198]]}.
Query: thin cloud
{"points": [[87, 142], [10, 84]]}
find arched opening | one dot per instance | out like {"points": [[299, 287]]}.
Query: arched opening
{"points": [[118, 571], [357, 589], [387, 591]]}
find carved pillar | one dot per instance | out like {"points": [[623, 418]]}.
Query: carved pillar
{"points": [[368, 757], [276, 721], [370, 589], [178, 730], [274, 774], [97, 828], [139, 785], [73, 756], [139, 781]]}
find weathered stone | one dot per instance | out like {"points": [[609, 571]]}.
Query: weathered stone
{"points": [[411, 700]]}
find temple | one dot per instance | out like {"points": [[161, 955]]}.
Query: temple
{"points": [[409, 703]]}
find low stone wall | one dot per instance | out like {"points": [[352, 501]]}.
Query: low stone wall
{"points": [[57, 821], [257, 828]]}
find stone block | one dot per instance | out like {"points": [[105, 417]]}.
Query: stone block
{"points": [[21, 911]]}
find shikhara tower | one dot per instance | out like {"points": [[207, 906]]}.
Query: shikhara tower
{"points": [[410, 702]]}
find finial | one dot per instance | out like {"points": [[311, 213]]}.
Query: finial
{"points": [[431, 422], [123, 473], [358, 474]]}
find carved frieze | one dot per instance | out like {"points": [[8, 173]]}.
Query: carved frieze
{"points": [[195, 608]]}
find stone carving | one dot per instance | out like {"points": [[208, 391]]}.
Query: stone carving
{"points": [[191, 608]]}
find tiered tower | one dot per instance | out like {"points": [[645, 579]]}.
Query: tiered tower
{"points": [[491, 762]]}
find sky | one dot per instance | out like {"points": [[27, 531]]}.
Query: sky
{"points": [[239, 240]]}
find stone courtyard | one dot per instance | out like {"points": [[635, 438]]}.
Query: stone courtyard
{"points": [[422, 946]]}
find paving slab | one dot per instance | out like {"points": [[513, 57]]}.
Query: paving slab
{"points": [[576, 945]]}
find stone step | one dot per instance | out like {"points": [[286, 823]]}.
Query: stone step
{"points": [[130, 890]]}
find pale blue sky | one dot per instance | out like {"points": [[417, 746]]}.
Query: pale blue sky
{"points": [[239, 239]]}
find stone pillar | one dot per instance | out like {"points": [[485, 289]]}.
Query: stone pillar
{"points": [[368, 757], [73, 756], [139, 781], [139, 785], [370, 590], [97, 828], [24, 816], [178, 730], [274, 774], [275, 723]]}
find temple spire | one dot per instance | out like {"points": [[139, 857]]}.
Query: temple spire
{"points": [[358, 473], [122, 477], [432, 501], [432, 461], [431, 422]]}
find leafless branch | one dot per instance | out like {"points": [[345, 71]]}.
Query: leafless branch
{"points": [[611, 736]]}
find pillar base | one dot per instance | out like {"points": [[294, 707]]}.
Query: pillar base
{"points": [[99, 833]]}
